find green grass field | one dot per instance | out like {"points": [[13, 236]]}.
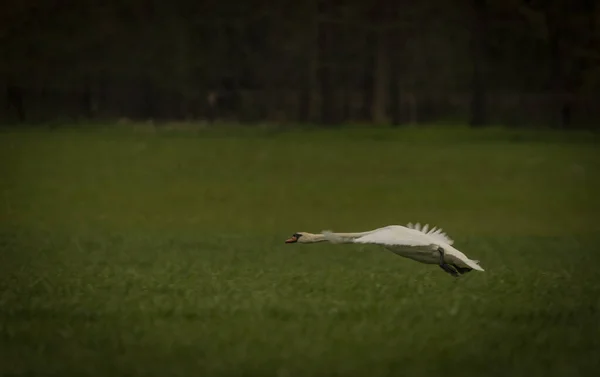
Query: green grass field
{"points": [[160, 253]]}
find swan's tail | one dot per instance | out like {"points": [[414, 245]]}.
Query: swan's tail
{"points": [[474, 264]]}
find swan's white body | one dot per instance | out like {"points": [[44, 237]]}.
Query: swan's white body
{"points": [[412, 241]]}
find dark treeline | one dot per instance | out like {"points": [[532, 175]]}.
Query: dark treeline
{"points": [[511, 62]]}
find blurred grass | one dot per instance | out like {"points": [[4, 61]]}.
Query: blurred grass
{"points": [[158, 252]]}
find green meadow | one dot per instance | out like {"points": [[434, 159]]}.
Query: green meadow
{"points": [[142, 251]]}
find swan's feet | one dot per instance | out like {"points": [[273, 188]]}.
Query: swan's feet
{"points": [[462, 270], [451, 269]]}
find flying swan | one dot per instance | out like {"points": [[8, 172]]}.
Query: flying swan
{"points": [[430, 246]]}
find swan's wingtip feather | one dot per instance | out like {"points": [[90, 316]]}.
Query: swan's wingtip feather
{"points": [[434, 231]]}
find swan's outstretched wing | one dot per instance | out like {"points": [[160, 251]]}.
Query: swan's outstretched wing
{"points": [[396, 236]]}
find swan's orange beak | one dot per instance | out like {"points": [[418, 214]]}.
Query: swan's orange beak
{"points": [[292, 239]]}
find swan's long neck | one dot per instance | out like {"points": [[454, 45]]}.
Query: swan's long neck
{"points": [[328, 236], [342, 237], [312, 238]]}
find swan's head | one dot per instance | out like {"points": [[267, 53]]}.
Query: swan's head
{"points": [[296, 237], [303, 237]]}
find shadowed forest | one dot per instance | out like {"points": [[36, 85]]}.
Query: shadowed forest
{"points": [[501, 62]]}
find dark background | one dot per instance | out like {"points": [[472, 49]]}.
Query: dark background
{"points": [[507, 62], [138, 239]]}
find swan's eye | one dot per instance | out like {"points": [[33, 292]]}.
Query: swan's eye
{"points": [[297, 235]]}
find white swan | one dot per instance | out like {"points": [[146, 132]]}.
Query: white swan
{"points": [[430, 246]]}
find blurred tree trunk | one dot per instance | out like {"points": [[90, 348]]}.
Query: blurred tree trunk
{"points": [[325, 71], [379, 15], [149, 104], [87, 100], [396, 39], [310, 86], [368, 81], [380, 79], [103, 87], [395, 84], [558, 80], [479, 37], [14, 98]]}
